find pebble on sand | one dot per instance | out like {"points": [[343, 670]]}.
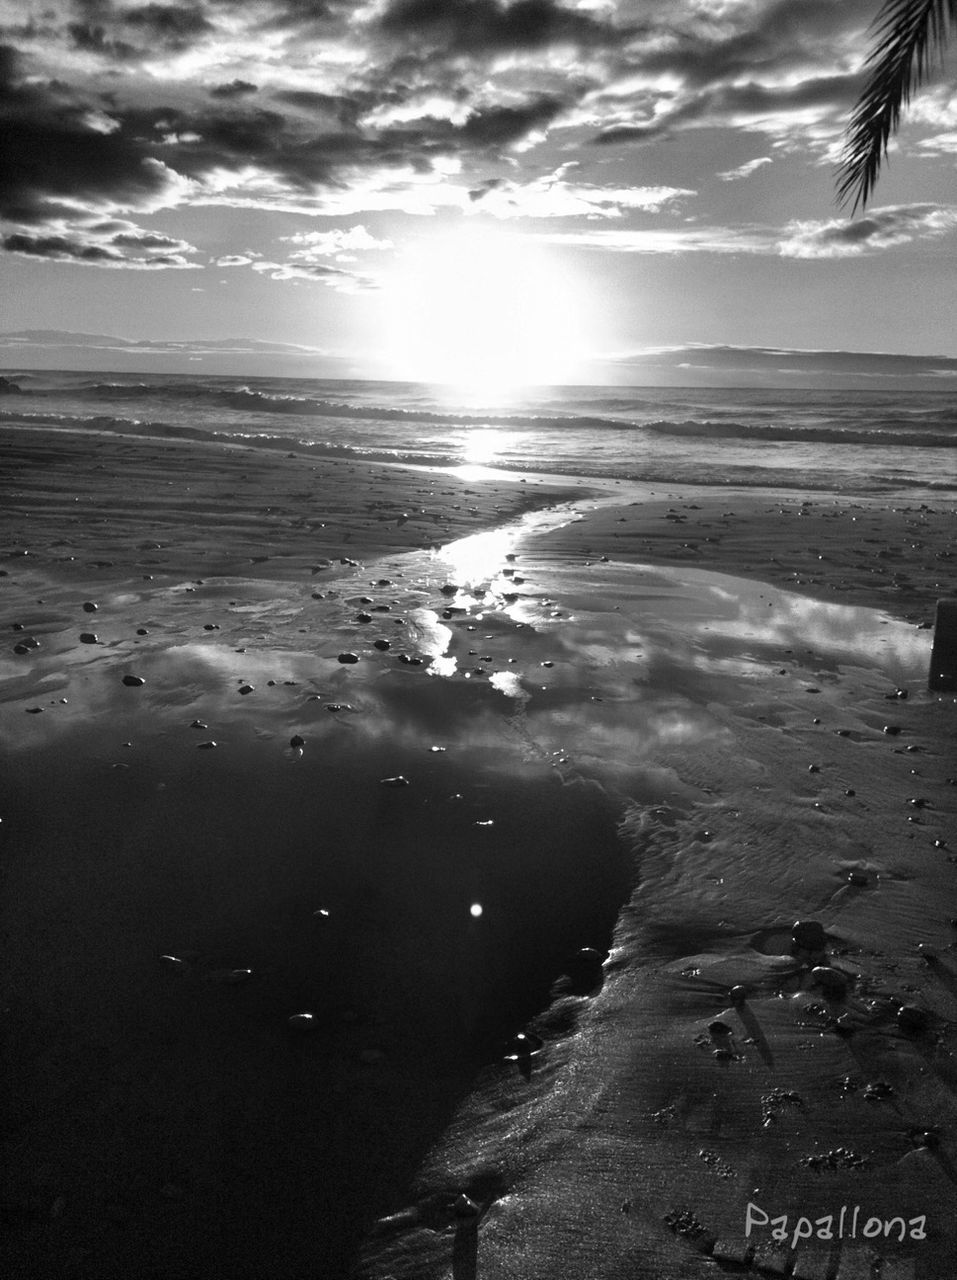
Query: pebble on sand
{"points": [[808, 935], [246, 688], [348, 657], [206, 746], [302, 1023], [832, 982], [89, 606], [133, 682], [89, 637], [297, 741], [398, 781]]}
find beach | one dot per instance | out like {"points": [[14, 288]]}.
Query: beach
{"points": [[388, 744]]}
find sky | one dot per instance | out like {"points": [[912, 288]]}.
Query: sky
{"points": [[480, 192]]}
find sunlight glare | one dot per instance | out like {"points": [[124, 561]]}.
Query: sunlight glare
{"points": [[482, 311]]}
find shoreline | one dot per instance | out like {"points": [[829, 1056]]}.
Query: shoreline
{"points": [[537, 737]]}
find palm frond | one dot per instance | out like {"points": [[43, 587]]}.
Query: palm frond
{"points": [[906, 33]]}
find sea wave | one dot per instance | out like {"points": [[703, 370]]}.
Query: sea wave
{"points": [[895, 434]]}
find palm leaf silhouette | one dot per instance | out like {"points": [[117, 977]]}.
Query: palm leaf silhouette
{"points": [[906, 33]]}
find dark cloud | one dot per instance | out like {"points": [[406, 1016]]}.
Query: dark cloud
{"points": [[234, 89], [176, 25], [114, 243], [482, 26], [499, 126]]}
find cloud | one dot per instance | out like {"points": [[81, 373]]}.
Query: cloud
{"points": [[234, 89], [880, 229], [480, 27], [708, 364], [337, 243], [552, 196], [55, 339], [744, 170], [113, 243]]}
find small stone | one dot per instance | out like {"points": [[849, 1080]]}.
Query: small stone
{"points": [[398, 781], [738, 994], [381, 644], [89, 606], [858, 878], [302, 1023], [892, 730], [850, 792], [297, 740], [246, 688], [808, 935], [133, 682], [88, 637], [523, 1046], [363, 617], [174, 963], [719, 1029], [464, 1207], [832, 982], [141, 631], [348, 658], [911, 1019], [206, 746], [198, 724], [814, 768]]}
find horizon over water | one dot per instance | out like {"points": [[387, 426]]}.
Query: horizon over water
{"points": [[852, 441]]}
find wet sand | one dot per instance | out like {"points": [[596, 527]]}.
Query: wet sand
{"points": [[643, 700]]}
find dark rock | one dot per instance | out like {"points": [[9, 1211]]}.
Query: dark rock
{"points": [[207, 746], [808, 935], [297, 741], [89, 606], [398, 781], [246, 688], [381, 644], [302, 1023], [348, 657], [141, 631], [133, 682], [832, 982], [88, 637], [911, 1019], [738, 994]]}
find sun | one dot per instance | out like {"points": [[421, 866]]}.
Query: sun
{"points": [[482, 311]]}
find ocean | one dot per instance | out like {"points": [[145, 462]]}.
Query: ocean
{"points": [[849, 441]]}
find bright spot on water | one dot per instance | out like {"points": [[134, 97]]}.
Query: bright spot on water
{"points": [[475, 910], [478, 557], [482, 445]]}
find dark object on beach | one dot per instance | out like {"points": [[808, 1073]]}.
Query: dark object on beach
{"points": [[133, 682], [523, 1046], [348, 657], [926, 953], [89, 606], [141, 631], [297, 741], [363, 617], [88, 637], [21, 648], [911, 1020], [943, 657], [449, 589], [832, 982], [398, 781], [719, 1030], [463, 1207], [738, 995], [858, 878], [586, 970], [381, 644], [206, 746], [246, 688], [199, 724], [301, 1023], [892, 730], [173, 963], [808, 935]]}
